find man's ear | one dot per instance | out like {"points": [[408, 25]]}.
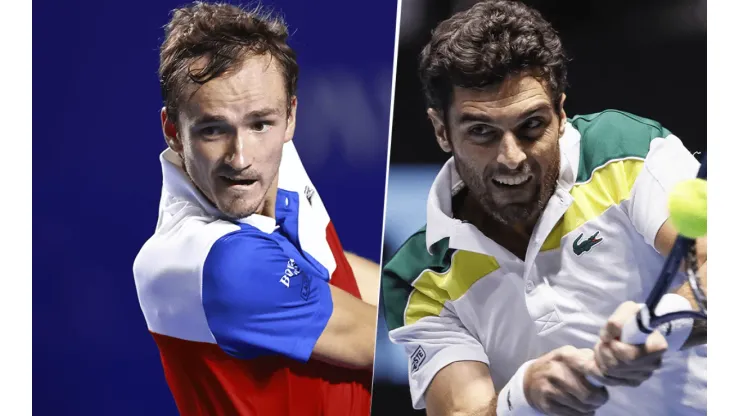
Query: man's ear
{"points": [[440, 130], [290, 130], [169, 130], [563, 117]]}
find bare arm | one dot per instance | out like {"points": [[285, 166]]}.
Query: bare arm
{"points": [[367, 275], [349, 337], [664, 241], [463, 388], [554, 383]]}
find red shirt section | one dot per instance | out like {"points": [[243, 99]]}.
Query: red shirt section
{"points": [[204, 380]]}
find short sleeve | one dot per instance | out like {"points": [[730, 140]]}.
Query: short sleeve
{"points": [[423, 323], [667, 163], [259, 301], [432, 343]]}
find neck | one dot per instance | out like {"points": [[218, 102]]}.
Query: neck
{"points": [[268, 205], [513, 237]]}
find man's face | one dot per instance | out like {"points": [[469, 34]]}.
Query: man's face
{"points": [[505, 142], [231, 133]]}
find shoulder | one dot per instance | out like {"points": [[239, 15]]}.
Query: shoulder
{"points": [[407, 265], [413, 258], [246, 250], [611, 136], [168, 274], [181, 242]]}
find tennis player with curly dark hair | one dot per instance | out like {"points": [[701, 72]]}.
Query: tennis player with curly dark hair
{"points": [[539, 227]]}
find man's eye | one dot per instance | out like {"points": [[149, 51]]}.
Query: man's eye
{"points": [[480, 130], [532, 123], [261, 126], [211, 131]]}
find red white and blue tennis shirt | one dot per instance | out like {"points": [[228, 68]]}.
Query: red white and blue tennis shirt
{"points": [[236, 307]]}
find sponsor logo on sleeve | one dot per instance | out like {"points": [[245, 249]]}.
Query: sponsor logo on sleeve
{"points": [[417, 358], [291, 270]]}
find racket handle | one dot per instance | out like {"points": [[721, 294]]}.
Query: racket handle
{"points": [[675, 332], [632, 331]]}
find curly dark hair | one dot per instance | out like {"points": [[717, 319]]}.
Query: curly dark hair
{"points": [[479, 47], [225, 34]]}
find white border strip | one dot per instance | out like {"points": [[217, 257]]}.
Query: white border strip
{"points": [[723, 145], [15, 209], [387, 170]]}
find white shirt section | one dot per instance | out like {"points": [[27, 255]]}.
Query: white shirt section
{"points": [[557, 297], [667, 164], [168, 270], [312, 223]]}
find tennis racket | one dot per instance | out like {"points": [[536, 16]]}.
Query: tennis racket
{"points": [[661, 316], [648, 319]]}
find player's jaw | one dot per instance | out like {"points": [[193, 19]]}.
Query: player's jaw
{"points": [[239, 194], [510, 187], [513, 196], [524, 203]]}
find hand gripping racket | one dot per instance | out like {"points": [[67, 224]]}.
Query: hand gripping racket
{"points": [[659, 313]]}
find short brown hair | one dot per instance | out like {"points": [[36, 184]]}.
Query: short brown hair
{"points": [[225, 34], [479, 47]]}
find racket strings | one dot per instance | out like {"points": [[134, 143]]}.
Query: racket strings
{"points": [[693, 279]]}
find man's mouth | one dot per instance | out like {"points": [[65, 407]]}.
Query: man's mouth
{"points": [[512, 180], [238, 181]]}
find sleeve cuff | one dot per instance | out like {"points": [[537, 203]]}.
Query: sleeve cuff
{"points": [[420, 380]]}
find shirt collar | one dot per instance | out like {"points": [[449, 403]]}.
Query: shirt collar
{"points": [[440, 221], [178, 185]]}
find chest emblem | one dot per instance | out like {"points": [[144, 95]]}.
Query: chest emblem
{"points": [[580, 247]]}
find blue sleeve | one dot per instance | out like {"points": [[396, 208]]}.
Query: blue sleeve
{"points": [[254, 306]]}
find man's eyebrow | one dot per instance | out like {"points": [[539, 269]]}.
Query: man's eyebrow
{"points": [[466, 117], [263, 112], [473, 117], [208, 119], [534, 109], [256, 114]]}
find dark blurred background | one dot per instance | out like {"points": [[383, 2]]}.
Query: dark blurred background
{"points": [[644, 57], [97, 138]]}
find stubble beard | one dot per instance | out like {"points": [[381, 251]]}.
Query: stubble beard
{"points": [[525, 213]]}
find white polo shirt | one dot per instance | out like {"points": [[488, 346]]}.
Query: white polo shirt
{"points": [[452, 294]]}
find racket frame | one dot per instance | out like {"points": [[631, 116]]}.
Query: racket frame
{"points": [[668, 273]]}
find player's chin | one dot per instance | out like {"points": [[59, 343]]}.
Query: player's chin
{"points": [[514, 214], [239, 207]]}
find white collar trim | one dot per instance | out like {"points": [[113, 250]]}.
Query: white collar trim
{"points": [[177, 183]]}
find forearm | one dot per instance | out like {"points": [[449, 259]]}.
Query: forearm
{"points": [[349, 337], [698, 334], [461, 406], [485, 410], [367, 276], [463, 388]]}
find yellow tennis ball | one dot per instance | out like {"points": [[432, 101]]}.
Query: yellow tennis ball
{"points": [[687, 205]]}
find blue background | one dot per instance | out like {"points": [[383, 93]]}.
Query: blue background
{"points": [[96, 140]]}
